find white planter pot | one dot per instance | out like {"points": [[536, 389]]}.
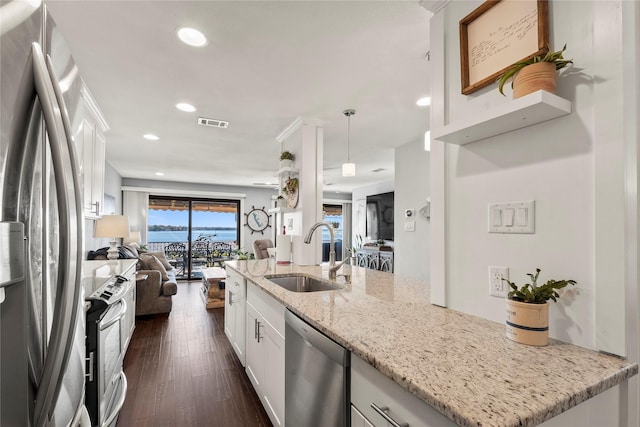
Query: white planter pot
{"points": [[286, 164], [528, 323]]}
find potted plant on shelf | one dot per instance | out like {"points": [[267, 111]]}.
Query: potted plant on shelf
{"points": [[536, 73], [286, 159], [528, 309], [280, 201]]}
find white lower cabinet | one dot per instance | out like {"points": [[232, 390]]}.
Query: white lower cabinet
{"points": [[128, 323], [265, 351], [234, 312], [379, 401]]}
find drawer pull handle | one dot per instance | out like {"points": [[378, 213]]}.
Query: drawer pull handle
{"points": [[382, 410]]}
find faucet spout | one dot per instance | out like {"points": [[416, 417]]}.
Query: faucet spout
{"points": [[332, 243]]}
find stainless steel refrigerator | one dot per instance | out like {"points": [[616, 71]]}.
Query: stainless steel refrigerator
{"points": [[42, 337]]}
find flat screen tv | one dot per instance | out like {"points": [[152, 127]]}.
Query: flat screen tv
{"points": [[380, 216]]}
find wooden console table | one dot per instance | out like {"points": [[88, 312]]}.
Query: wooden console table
{"points": [[212, 290]]}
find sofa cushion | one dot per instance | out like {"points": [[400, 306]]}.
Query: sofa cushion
{"points": [[160, 255], [151, 262]]}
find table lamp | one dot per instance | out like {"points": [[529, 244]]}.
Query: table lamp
{"points": [[133, 240], [113, 226]]}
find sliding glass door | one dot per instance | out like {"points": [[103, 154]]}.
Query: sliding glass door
{"points": [[194, 233], [333, 215]]}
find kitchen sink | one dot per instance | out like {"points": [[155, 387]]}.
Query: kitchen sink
{"points": [[300, 283]]}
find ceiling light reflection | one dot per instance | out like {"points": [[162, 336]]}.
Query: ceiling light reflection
{"points": [[192, 37], [423, 102], [187, 108]]}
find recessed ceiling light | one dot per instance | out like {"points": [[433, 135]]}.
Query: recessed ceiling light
{"points": [[423, 102], [192, 37], [150, 137], [160, 173], [188, 108]]}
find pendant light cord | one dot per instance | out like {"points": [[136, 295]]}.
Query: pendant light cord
{"points": [[349, 113]]}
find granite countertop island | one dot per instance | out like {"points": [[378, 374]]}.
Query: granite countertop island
{"points": [[462, 365]]}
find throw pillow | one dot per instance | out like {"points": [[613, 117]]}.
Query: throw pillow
{"points": [[124, 252], [161, 258], [133, 250], [150, 262]]}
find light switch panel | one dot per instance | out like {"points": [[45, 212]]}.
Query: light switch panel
{"points": [[409, 226], [512, 217]]}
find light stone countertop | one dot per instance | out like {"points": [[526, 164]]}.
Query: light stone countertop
{"points": [[462, 365]]}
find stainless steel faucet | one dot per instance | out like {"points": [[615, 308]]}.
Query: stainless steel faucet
{"points": [[333, 268]]}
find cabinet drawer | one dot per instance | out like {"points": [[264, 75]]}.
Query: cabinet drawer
{"points": [[270, 309], [236, 284], [369, 387]]}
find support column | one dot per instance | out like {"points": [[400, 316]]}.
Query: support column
{"points": [[304, 138]]}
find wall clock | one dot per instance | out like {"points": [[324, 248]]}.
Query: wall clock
{"points": [[257, 220]]}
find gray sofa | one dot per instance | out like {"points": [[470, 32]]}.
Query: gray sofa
{"points": [[153, 295]]}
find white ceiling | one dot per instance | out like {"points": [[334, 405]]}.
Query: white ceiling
{"points": [[267, 63]]}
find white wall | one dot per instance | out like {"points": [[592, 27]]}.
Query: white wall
{"points": [[576, 170], [551, 163], [411, 248]]}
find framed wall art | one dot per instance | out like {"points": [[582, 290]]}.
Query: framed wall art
{"points": [[497, 34]]}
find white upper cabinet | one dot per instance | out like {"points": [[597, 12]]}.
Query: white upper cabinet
{"points": [[90, 143]]}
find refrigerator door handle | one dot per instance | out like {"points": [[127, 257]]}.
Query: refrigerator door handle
{"points": [[66, 305]]}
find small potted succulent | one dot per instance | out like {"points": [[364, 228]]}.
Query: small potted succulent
{"points": [[280, 201], [536, 73], [286, 159], [528, 309]]}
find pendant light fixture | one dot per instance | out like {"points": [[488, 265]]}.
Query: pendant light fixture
{"points": [[349, 169]]}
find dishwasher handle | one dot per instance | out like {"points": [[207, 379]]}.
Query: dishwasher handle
{"points": [[315, 338]]}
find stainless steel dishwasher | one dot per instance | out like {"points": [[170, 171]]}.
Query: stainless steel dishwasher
{"points": [[316, 377]]}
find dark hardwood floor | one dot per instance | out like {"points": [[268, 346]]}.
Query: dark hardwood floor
{"points": [[182, 370]]}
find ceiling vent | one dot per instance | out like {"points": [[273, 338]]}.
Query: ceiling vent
{"points": [[378, 170], [213, 123]]}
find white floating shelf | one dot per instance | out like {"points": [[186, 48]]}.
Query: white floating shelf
{"points": [[288, 171], [280, 210], [528, 110]]}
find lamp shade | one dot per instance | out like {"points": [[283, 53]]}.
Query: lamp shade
{"points": [[112, 226], [134, 237], [348, 169]]}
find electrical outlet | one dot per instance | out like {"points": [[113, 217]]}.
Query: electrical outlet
{"points": [[498, 287]]}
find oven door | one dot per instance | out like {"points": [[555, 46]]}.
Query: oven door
{"points": [[110, 343]]}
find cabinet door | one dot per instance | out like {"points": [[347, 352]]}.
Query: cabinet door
{"points": [[229, 314], [239, 314], [97, 181], [273, 384], [88, 136], [93, 158], [253, 354]]}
